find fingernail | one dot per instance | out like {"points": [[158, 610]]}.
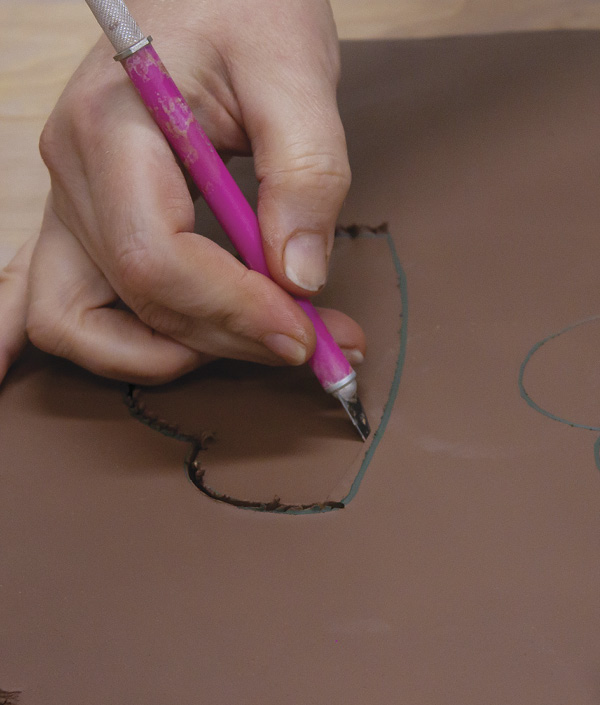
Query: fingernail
{"points": [[288, 348], [305, 261], [353, 355]]}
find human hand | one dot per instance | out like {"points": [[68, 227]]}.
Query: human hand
{"points": [[13, 306], [119, 218], [103, 336]]}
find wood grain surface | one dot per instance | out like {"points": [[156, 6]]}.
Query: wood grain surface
{"points": [[41, 43]]}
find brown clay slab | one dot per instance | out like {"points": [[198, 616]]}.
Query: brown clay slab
{"points": [[465, 570]]}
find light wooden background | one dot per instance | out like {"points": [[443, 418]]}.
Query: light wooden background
{"points": [[41, 42]]}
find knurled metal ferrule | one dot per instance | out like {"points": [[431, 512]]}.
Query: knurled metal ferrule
{"points": [[117, 23]]}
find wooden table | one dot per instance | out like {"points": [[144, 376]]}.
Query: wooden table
{"points": [[41, 43]]}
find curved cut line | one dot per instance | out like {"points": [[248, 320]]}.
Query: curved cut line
{"points": [[597, 452], [199, 442], [534, 405], [401, 278], [196, 475], [530, 354]]}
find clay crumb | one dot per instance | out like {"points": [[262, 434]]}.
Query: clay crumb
{"points": [[9, 697]]}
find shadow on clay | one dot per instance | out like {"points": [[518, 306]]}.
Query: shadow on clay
{"points": [[311, 428], [48, 392], [560, 379], [9, 697]]}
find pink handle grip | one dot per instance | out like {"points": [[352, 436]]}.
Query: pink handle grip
{"points": [[177, 122]]}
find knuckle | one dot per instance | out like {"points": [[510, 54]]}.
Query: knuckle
{"points": [[14, 273], [166, 321], [72, 128], [47, 330], [227, 311], [136, 265], [242, 313], [321, 173], [50, 145], [227, 308], [216, 315]]}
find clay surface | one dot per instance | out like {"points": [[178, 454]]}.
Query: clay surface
{"points": [[465, 569]]}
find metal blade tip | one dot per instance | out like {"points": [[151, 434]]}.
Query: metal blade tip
{"points": [[357, 415]]}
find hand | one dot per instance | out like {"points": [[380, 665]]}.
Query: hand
{"points": [[260, 77], [13, 306], [136, 339]]}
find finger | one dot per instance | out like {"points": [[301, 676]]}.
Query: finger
{"points": [[13, 306], [291, 115], [347, 334], [116, 344], [177, 282], [71, 314], [77, 321]]}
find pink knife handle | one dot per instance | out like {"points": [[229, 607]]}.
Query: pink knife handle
{"points": [[177, 122]]}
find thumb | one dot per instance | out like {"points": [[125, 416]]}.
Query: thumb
{"points": [[302, 165]]}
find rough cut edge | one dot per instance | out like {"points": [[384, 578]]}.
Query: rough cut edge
{"points": [[358, 229], [137, 409], [9, 697], [196, 474]]}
